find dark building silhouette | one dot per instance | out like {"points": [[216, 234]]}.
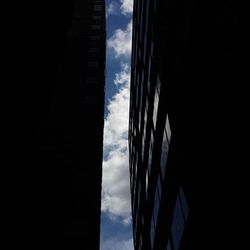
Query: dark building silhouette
{"points": [[58, 199], [184, 64]]}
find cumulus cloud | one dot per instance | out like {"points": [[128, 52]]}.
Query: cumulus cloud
{"points": [[114, 244], [112, 9], [123, 77], [126, 7], [115, 187], [121, 41]]}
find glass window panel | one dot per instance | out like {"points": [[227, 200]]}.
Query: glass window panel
{"points": [[168, 246], [90, 99], [178, 225], [152, 48], [152, 231], [164, 154], [150, 158], [158, 84], [145, 47], [184, 204], [159, 186], [144, 132], [91, 80], [156, 205], [94, 50], [98, 7], [149, 73], [168, 129], [141, 88], [156, 103], [94, 38], [150, 151], [96, 27], [93, 64]]}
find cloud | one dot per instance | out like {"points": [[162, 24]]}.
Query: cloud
{"points": [[112, 9], [115, 187], [115, 244], [126, 7], [123, 77], [121, 41]]}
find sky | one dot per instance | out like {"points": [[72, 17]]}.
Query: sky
{"points": [[116, 228]]}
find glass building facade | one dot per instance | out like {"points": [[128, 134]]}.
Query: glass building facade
{"points": [[176, 88]]}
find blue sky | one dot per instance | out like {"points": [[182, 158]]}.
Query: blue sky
{"points": [[116, 228]]}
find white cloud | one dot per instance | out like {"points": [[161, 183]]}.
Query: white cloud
{"points": [[115, 244], [112, 9], [126, 7], [115, 180], [123, 77], [121, 41]]}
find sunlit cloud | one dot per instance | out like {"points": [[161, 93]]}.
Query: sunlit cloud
{"points": [[126, 7], [121, 41], [115, 191], [112, 9]]}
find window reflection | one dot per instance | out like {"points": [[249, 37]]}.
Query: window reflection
{"points": [[150, 152], [164, 154], [97, 7], [184, 204], [179, 218], [150, 157], [168, 246], [156, 103], [168, 129], [165, 147], [152, 231], [144, 131]]}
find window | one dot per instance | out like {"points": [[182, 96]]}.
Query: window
{"points": [[96, 27], [90, 99], [135, 166], [177, 225], [150, 157], [149, 73], [150, 152], [139, 194], [94, 50], [152, 231], [168, 246], [156, 103], [184, 204], [93, 64], [159, 185], [91, 80], [146, 183], [142, 84], [164, 154], [158, 84], [165, 147], [94, 38], [179, 220], [156, 205], [168, 129], [97, 7], [144, 131]]}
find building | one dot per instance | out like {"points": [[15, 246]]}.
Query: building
{"points": [[64, 135], [183, 67]]}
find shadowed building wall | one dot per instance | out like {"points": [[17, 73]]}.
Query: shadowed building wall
{"points": [[65, 132], [184, 64]]}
